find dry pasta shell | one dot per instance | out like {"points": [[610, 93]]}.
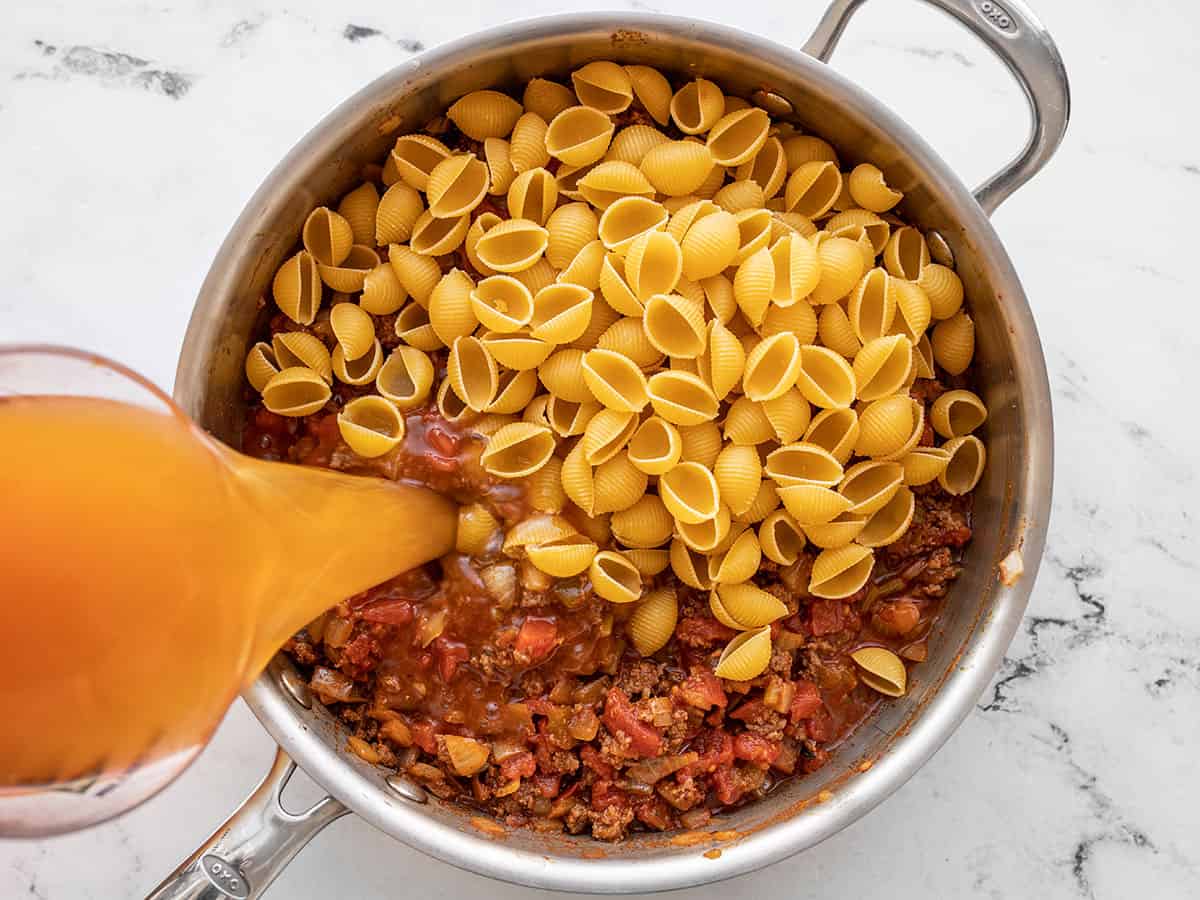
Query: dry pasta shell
{"points": [[738, 473], [514, 391], [609, 181], [629, 217], [944, 289], [956, 413], [772, 367], [785, 222], [696, 107], [886, 425], [923, 464], [450, 312], [803, 463], [570, 228], [723, 361], [513, 245], [965, 466], [584, 268], [382, 292], [872, 306], [543, 489], [413, 158], [656, 446], [746, 656], [562, 374], [706, 536], [690, 493], [689, 566], [533, 531], [614, 380], [701, 443], [327, 236], [450, 406], [906, 254], [836, 430], [617, 292], [718, 292], [561, 313], [838, 532], [633, 142], [881, 670], [406, 377], [541, 274], [812, 504], [653, 265], [870, 191], [652, 90], [869, 485], [417, 274], [502, 304], [881, 366], [754, 234], [913, 311], [261, 365], [456, 186], [797, 269], [653, 622], [298, 348], [358, 371], [497, 154], [649, 561], [606, 434], [709, 245], [677, 168], [768, 168], [780, 538], [485, 114], [836, 332], [371, 426], [615, 578], [518, 450], [516, 350], [546, 98], [841, 572], [598, 528], [618, 484], [563, 558], [953, 343], [681, 398], [813, 188], [687, 212], [842, 267], [295, 391], [747, 423], [579, 135], [437, 237], [744, 606], [568, 418], [645, 524], [296, 288], [825, 378], [674, 326], [527, 145], [888, 523], [603, 85], [477, 531], [353, 328], [753, 284], [877, 229], [803, 148], [472, 373], [359, 208], [798, 319], [532, 196], [578, 481], [765, 502], [737, 564]]}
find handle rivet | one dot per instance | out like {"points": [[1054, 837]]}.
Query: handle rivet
{"points": [[407, 788], [295, 686]]}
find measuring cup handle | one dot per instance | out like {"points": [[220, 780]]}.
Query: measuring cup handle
{"points": [[242, 857], [1015, 35]]}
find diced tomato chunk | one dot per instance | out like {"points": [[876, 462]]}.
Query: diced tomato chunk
{"points": [[806, 702], [425, 736], [725, 785], [715, 748], [449, 654], [591, 758], [537, 638], [620, 716], [750, 711], [606, 794], [547, 785], [653, 811], [441, 441], [828, 616], [755, 748], [388, 612], [820, 726], [521, 765], [702, 689]]}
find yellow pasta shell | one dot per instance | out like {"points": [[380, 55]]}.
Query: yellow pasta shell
{"points": [[871, 308], [677, 168], [803, 463], [753, 284], [888, 523], [603, 85], [359, 208], [706, 536], [296, 288], [618, 484], [562, 374], [772, 367], [579, 135], [877, 229], [564, 557], [450, 406], [450, 312], [906, 253], [953, 343], [737, 564], [645, 524], [689, 566], [788, 414], [652, 90], [513, 245], [718, 291], [528, 143], [413, 158], [261, 365], [803, 148], [633, 142], [546, 98], [836, 331], [797, 269], [514, 391], [609, 181], [709, 245], [298, 348], [697, 106], [534, 530], [825, 378], [656, 446], [886, 425], [584, 268], [681, 398], [327, 236], [813, 188], [923, 464], [543, 489], [437, 237], [653, 622], [570, 228], [837, 532], [412, 326], [472, 373], [567, 418], [746, 656], [649, 561], [956, 413], [484, 114], [869, 190], [881, 670], [653, 265], [382, 292], [768, 168], [747, 423], [812, 504], [578, 481], [516, 350], [606, 434], [406, 377], [541, 274], [836, 430], [371, 426], [744, 606], [561, 313], [738, 473], [881, 366], [532, 196], [478, 530], [842, 267], [353, 328], [674, 325], [841, 572], [456, 186], [780, 538], [754, 234], [349, 276], [614, 380], [913, 310], [502, 304], [944, 289], [738, 196], [965, 466], [358, 371], [295, 392], [497, 153], [869, 485], [722, 363], [690, 493], [627, 218], [417, 274], [614, 578], [517, 450], [617, 292], [700, 443]]}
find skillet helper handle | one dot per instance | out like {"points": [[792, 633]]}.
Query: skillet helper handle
{"points": [[242, 857], [1015, 35]]}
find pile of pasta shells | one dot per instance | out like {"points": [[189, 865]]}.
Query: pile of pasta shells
{"points": [[701, 332]]}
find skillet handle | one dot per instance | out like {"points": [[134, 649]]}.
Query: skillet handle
{"points": [[1014, 34], [242, 857]]}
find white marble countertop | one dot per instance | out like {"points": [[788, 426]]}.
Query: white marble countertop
{"points": [[133, 132]]}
